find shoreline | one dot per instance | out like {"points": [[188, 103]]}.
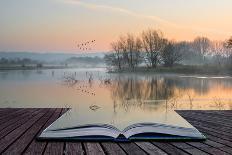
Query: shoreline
{"points": [[187, 70], [5, 68], [12, 68]]}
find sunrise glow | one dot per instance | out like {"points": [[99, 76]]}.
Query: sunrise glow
{"points": [[57, 25]]}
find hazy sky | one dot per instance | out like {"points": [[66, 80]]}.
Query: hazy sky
{"points": [[56, 25]]}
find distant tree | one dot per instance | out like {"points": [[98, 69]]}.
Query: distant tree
{"points": [[138, 57], [39, 65], [122, 43], [4, 61], [111, 60], [218, 52], [131, 50], [130, 46], [201, 45], [229, 47], [126, 52], [171, 54], [153, 44], [23, 65], [229, 43], [117, 56]]}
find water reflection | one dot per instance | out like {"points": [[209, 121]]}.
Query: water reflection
{"points": [[114, 93], [174, 92]]}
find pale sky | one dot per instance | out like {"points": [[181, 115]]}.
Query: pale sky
{"points": [[58, 25]]}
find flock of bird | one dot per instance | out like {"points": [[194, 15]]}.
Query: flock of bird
{"points": [[86, 45], [83, 90], [84, 86]]}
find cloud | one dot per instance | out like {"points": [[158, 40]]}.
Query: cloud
{"points": [[120, 10], [157, 19]]}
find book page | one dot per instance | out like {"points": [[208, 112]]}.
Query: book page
{"points": [[75, 118]]}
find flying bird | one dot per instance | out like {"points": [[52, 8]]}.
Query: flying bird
{"points": [[85, 46]]}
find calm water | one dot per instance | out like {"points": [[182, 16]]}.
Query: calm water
{"points": [[94, 91]]}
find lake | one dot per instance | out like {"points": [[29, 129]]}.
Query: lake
{"points": [[96, 91]]}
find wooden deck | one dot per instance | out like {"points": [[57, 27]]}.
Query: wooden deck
{"points": [[19, 128]]}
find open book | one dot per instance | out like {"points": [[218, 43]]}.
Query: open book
{"points": [[66, 128]]}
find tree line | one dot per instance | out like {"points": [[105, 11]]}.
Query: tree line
{"points": [[16, 61], [152, 49], [24, 62]]}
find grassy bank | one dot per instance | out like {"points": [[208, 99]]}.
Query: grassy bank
{"points": [[181, 69], [29, 67]]}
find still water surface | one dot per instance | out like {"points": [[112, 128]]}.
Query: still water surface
{"points": [[96, 91]]}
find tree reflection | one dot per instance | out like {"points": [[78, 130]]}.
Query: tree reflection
{"points": [[153, 91], [131, 91]]}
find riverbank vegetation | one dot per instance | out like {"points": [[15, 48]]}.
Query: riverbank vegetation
{"points": [[151, 51], [30, 64]]}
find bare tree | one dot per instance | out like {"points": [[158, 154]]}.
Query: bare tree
{"points": [[229, 43], [130, 45], [201, 45], [111, 61], [117, 53], [152, 48], [114, 59], [138, 52], [218, 51], [229, 47], [126, 52], [132, 50], [171, 54], [153, 43], [122, 43]]}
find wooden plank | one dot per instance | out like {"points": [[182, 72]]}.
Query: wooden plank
{"points": [[211, 125], [207, 148], [73, 148], [112, 148], [208, 119], [213, 143], [150, 148], [219, 146], [93, 148], [15, 134], [214, 128], [132, 148], [214, 132], [37, 147], [213, 116], [18, 123], [168, 148], [6, 111], [10, 125], [12, 115], [218, 140], [188, 148], [216, 113], [219, 112], [54, 148], [20, 144]]}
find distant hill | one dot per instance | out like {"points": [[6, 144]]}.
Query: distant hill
{"points": [[48, 57], [90, 60], [85, 61]]}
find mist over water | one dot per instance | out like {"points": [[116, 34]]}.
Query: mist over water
{"points": [[94, 90]]}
